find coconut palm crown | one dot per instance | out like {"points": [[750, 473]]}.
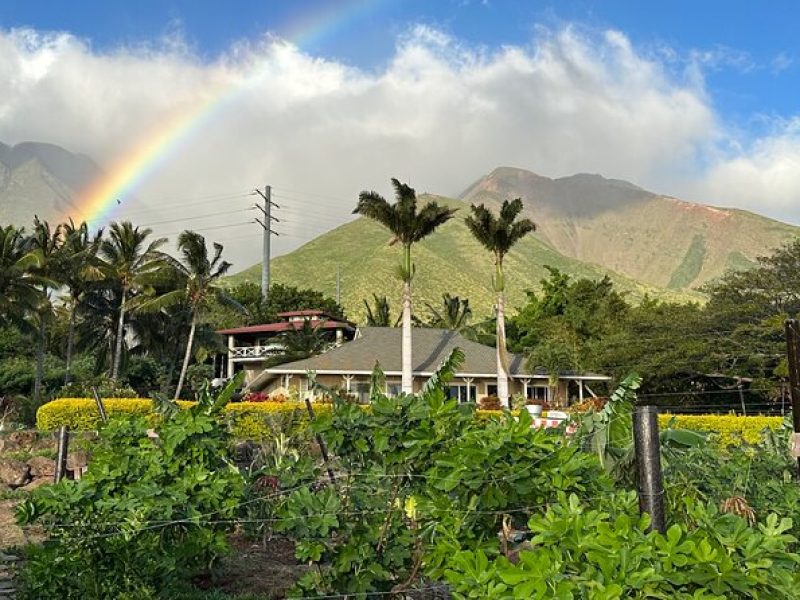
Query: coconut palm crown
{"points": [[195, 279], [498, 234], [129, 260], [408, 226]]}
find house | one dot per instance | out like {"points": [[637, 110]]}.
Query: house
{"points": [[350, 365], [250, 347]]}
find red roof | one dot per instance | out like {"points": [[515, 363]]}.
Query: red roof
{"points": [[285, 326]]}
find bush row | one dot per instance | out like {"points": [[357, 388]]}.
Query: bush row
{"points": [[249, 420], [729, 428], [256, 420]]}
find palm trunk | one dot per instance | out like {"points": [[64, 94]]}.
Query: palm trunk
{"points": [[502, 373], [407, 379], [70, 344], [186, 357], [39, 375], [120, 335], [502, 358]]}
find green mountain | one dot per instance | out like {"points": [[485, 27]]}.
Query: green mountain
{"points": [[41, 179], [450, 260], [659, 240]]}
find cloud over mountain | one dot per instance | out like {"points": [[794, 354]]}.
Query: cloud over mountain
{"points": [[439, 114]]}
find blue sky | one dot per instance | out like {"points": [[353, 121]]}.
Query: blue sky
{"points": [[753, 52]]}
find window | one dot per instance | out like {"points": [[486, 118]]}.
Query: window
{"points": [[360, 389], [491, 390], [462, 392], [393, 389], [537, 392]]}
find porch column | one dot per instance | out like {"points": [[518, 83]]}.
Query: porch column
{"points": [[347, 380], [580, 390], [468, 381], [230, 356], [525, 383], [286, 379]]}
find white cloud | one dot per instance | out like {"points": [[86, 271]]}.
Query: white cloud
{"points": [[440, 114]]}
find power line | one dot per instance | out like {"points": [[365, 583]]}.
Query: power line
{"points": [[194, 218]]}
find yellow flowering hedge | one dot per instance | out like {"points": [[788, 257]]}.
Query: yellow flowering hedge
{"points": [[257, 420], [249, 420], [729, 428]]}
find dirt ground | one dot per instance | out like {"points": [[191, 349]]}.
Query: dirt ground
{"points": [[260, 570], [10, 534]]}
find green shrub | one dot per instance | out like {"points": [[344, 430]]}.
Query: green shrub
{"points": [[145, 517], [143, 374], [599, 549]]}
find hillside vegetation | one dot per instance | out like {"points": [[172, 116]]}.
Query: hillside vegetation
{"points": [[656, 239], [450, 261]]}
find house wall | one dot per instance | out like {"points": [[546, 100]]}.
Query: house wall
{"points": [[360, 383]]}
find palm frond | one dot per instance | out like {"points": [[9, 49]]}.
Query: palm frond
{"points": [[445, 372]]}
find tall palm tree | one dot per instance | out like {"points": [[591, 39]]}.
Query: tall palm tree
{"points": [[498, 234], [197, 276], [81, 268], [20, 283], [408, 226], [129, 260], [47, 243], [454, 313]]}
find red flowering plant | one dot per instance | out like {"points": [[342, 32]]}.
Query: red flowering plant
{"points": [[256, 397]]}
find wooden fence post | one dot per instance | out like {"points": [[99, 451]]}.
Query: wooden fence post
{"points": [[100, 406], [793, 356], [63, 449]]}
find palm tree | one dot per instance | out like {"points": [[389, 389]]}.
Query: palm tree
{"points": [[454, 313], [408, 226], [20, 284], [379, 313], [197, 288], [302, 342], [82, 267], [47, 243], [498, 234], [129, 260]]}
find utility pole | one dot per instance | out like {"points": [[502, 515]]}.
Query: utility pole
{"points": [[338, 285], [266, 225], [648, 465], [793, 356]]}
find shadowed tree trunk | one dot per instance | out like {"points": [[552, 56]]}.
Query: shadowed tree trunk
{"points": [[39, 375], [186, 357], [70, 346], [120, 335]]}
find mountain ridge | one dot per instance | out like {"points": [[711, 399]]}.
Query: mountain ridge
{"points": [[661, 240], [43, 179]]}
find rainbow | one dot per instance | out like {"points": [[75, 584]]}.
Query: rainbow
{"points": [[100, 202]]}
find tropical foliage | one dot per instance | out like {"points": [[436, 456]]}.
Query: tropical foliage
{"points": [[111, 310]]}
